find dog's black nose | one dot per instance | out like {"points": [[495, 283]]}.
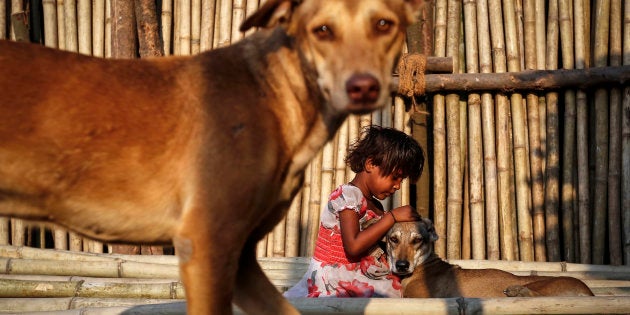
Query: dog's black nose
{"points": [[402, 265], [363, 88]]}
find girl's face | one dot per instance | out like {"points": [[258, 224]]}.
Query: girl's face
{"points": [[383, 186]]}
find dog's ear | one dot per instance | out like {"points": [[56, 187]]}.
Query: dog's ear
{"points": [[270, 14], [413, 9], [430, 230]]}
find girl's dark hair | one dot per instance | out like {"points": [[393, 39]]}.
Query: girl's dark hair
{"points": [[390, 149]]}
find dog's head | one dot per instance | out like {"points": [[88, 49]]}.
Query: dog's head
{"points": [[409, 244], [352, 45]]}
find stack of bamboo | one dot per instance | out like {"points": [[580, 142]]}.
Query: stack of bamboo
{"points": [[528, 175], [523, 198], [84, 283]]}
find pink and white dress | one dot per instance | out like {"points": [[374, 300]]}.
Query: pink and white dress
{"points": [[331, 273]]}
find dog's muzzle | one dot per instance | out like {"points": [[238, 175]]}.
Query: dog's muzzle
{"points": [[363, 91], [402, 267]]}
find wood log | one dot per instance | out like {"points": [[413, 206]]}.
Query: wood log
{"points": [[149, 42], [367, 306], [529, 80]]}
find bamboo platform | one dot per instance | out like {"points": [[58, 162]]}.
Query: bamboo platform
{"points": [[64, 282]]}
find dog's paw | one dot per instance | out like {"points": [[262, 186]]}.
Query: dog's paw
{"points": [[519, 291]]}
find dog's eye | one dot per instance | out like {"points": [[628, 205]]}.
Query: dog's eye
{"points": [[394, 239], [416, 240], [383, 25], [323, 32]]}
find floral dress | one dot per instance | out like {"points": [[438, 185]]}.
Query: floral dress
{"points": [[330, 273]]}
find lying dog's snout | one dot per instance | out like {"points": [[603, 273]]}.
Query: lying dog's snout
{"points": [[363, 88], [402, 266]]}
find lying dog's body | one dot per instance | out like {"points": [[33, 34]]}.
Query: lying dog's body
{"points": [[204, 151], [410, 252]]}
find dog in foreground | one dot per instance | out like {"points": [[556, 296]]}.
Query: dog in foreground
{"points": [[203, 151], [410, 253]]}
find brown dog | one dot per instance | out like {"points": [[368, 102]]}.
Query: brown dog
{"points": [[205, 151], [410, 254]]}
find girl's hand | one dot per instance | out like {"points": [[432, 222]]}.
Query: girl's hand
{"points": [[405, 214]]}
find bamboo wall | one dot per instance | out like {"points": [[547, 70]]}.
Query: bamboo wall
{"points": [[539, 176]]}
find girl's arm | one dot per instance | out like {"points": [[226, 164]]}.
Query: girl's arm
{"points": [[356, 242]]}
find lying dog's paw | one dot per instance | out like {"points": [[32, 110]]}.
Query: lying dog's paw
{"points": [[519, 291]]}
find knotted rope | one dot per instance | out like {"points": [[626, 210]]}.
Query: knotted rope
{"points": [[411, 83]]}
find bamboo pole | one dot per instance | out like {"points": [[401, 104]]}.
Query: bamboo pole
{"points": [[61, 25], [238, 16], [600, 54], [15, 6], [488, 127], [17, 225], [523, 193], [207, 24], [292, 243], [453, 140], [566, 36], [439, 137], [84, 26], [108, 29], [279, 239], [70, 27], [305, 214], [315, 204], [80, 288], [225, 24], [614, 169], [535, 152], [167, 26], [541, 38], [92, 306], [341, 149], [177, 21], [184, 27], [98, 28], [506, 212], [552, 165], [106, 269], [400, 197], [625, 142], [475, 147], [3, 20], [582, 40], [5, 231], [353, 135], [261, 247], [195, 28], [50, 23]]}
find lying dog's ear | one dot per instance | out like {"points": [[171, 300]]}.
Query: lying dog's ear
{"points": [[430, 230], [270, 14]]}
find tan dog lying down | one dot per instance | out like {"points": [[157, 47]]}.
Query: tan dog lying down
{"points": [[410, 253], [204, 151]]}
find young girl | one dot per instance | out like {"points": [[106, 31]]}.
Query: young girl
{"points": [[347, 261]]}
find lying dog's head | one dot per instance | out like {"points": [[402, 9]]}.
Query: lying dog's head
{"points": [[409, 244], [352, 45]]}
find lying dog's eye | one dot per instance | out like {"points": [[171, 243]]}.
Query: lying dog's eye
{"points": [[383, 25], [416, 240], [323, 32], [394, 239]]}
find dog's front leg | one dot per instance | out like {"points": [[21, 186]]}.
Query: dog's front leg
{"points": [[206, 266], [254, 293]]}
